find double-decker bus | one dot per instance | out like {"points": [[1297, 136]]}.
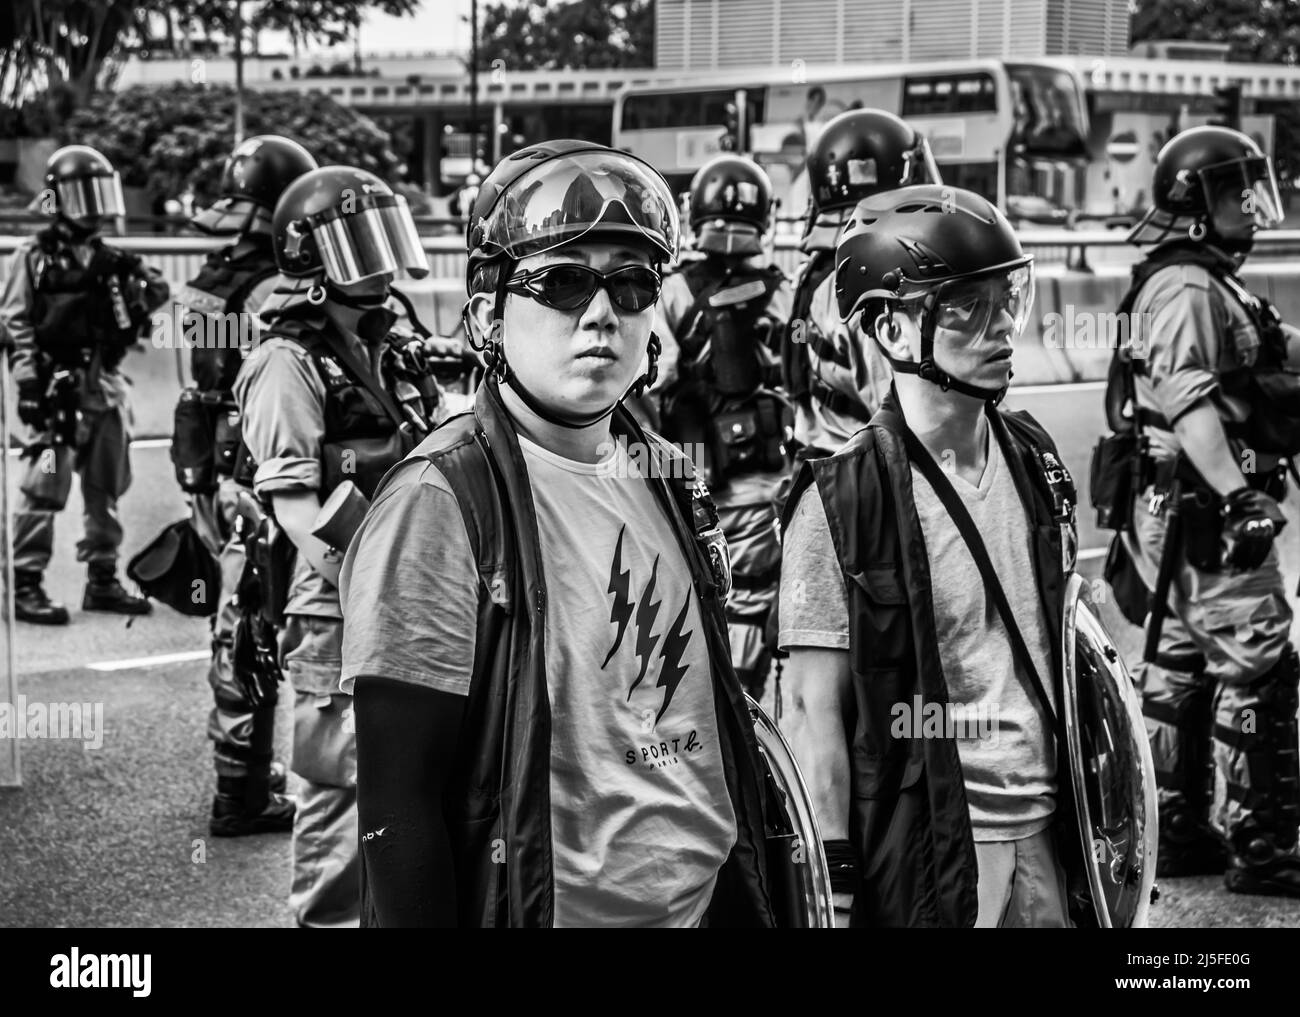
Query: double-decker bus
{"points": [[1015, 132]]}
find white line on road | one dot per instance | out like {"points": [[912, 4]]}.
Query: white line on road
{"points": [[164, 658], [1089, 553], [138, 443]]}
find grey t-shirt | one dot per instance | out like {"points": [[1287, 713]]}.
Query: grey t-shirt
{"points": [[1010, 773]]}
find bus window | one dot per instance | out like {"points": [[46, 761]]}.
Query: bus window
{"points": [[937, 94], [1048, 116], [655, 110], [980, 177]]}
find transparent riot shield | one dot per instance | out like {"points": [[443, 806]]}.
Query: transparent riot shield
{"points": [[1111, 769], [10, 771], [798, 874]]}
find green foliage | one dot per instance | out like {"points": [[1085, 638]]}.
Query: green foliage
{"points": [[588, 34], [1260, 31], [170, 138]]}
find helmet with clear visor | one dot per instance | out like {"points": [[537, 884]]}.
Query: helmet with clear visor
{"points": [[1211, 181], [254, 177], [548, 195], [730, 205], [347, 225], [945, 257], [86, 187]]}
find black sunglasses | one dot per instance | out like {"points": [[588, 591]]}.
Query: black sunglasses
{"points": [[569, 287]]}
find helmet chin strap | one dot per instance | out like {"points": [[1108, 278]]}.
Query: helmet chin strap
{"points": [[498, 366], [930, 371]]}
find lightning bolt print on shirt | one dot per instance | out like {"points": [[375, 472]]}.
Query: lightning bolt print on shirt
{"points": [[641, 818]]}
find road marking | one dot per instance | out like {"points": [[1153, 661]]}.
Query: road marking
{"points": [[138, 443], [1071, 386], [164, 658], [1088, 553]]}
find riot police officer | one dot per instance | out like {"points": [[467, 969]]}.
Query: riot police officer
{"points": [[235, 281], [73, 306], [332, 397], [1210, 399], [720, 318], [836, 384]]}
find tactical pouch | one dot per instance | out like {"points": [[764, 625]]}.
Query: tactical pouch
{"points": [[48, 481], [1203, 530], [273, 556], [1111, 480], [226, 439], [177, 568], [749, 438], [1126, 584], [193, 453]]}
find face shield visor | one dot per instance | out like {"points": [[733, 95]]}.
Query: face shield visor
{"points": [[975, 308], [564, 199], [374, 236], [1240, 193], [97, 197]]}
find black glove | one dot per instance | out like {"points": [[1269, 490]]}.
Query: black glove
{"points": [[31, 404], [1251, 522]]}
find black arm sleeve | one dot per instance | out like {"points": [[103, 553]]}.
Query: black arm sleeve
{"points": [[406, 739]]}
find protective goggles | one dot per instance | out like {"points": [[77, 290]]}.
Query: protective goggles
{"points": [[570, 287], [366, 236], [563, 199], [971, 306], [1248, 184], [91, 197]]}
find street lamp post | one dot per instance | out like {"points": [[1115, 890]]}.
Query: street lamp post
{"points": [[239, 71], [473, 86]]}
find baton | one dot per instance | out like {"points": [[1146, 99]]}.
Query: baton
{"points": [[1165, 576]]}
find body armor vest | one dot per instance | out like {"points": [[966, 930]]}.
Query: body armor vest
{"points": [[222, 288], [1267, 386], [365, 435], [81, 310]]}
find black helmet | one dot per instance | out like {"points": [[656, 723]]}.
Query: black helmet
{"points": [[344, 224], [84, 184], [556, 192], [928, 249], [1216, 180], [863, 152], [730, 205], [255, 175]]}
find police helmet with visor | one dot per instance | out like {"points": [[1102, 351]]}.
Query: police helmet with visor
{"points": [[254, 177], [730, 206], [1214, 182], [86, 188], [945, 257]]}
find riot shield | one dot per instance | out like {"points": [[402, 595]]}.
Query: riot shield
{"points": [[799, 876], [1111, 769], [10, 771]]}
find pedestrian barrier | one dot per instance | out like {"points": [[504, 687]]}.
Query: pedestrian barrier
{"points": [[1081, 278]]}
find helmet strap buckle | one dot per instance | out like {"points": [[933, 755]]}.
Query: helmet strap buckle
{"points": [[316, 295], [1197, 230]]}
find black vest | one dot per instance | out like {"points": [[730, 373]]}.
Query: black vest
{"points": [[221, 288], [725, 316], [363, 438], [74, 313], [909, 820]]}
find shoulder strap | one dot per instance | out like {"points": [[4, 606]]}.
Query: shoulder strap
{"points": [[361, 372], [932, 472]]}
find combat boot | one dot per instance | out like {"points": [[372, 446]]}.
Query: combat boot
{"points": [[246, 805], [1187, 847], [105, 593], [1259, 866], [32, 605]]}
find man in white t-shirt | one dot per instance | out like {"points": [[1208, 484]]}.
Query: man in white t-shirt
{"points": [[892, 632], [549, 730]]}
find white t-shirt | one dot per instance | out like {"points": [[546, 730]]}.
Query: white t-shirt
{"points": [[641, 817], [1009, 768]]}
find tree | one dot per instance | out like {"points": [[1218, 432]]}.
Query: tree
{"points": [[70, 49], [538, 35], [173, 138], [1259, 31]]}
